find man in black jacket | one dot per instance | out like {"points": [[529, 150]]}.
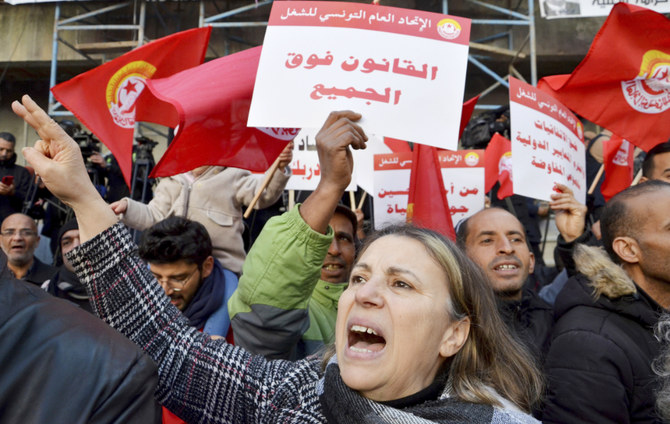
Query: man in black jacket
{"points": [[496, 240], [599, 362], [63, 365], [15, 180]]}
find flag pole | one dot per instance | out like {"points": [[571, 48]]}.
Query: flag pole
{"points": [[636, 180], [596, 179], [352, 200], [266, 182], [360, 204], [291, 199]]}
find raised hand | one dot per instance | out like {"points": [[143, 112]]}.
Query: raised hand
{"points": [[570, 214], [57, 159], [332, 143], [338, 133]]}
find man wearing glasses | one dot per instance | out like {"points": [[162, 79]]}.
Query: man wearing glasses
{"points": [[19, 240], [179, 254]]}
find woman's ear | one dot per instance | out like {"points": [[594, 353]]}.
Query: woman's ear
{"points": [[455, 337]]}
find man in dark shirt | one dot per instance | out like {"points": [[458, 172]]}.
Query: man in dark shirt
{"points": [[19, 239], [15, 180]]}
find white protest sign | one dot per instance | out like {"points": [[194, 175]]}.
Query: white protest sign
{"points": [[364, 162], [391, 188], [306, 171], [403, 70], [547, 144], [463, 176], [305, 141], [462, 173]]}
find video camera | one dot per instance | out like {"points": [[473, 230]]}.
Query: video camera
{"points": [[479, 130], [87, 142], [144, 148]]}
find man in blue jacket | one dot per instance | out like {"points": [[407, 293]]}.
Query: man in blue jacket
{"points": [[179, 254]]}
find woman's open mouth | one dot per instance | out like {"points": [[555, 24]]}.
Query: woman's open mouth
{"points": [[365, 340]]}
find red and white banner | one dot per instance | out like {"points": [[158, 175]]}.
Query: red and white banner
{"points": [[404, 70], [547, 144], [462, 173], [618, 159], [109, 99], [498, 168]]}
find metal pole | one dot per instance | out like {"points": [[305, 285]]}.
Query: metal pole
{"points": [[531, 32], [140, 31], [93, 13], [54, 57], [237, 11]]}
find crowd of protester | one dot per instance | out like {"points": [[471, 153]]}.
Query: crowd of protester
{"points": [[320, 322]]}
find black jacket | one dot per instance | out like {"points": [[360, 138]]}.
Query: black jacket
{"points": [[39, 272], [66, 285], [60, 364], [22, 182], [531, 319], [599, 363]]}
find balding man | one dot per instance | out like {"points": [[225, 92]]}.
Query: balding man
{"points": [[599, 362], [496, 240], [19, 240]]}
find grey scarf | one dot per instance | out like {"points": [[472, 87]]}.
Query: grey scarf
{"points": [[342, 405]]}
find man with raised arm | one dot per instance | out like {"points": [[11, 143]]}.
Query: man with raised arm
{"points": [[286, 303]]}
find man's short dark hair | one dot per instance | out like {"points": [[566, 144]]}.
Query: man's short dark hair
{"points": [[8, 136], [350, 215], [462, 228], [617, 218], [462, 231], [174, 239], [648, 163]]}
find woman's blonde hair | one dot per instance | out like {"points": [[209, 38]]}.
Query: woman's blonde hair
{"points": [[490, 358]]}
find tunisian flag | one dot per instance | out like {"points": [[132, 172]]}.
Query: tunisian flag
{"points": [[212, 102], [427, 205], [623, 83], [618, 159], [498, 165], [108, 99]]}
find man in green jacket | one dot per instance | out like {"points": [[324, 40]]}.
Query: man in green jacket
{"points": [[285, 305]]}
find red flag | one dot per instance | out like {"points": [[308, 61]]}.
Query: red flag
{"points": [[466, 113], [498, 165], [623, 83], [427, 205], [105, 99], [618, 158], [213, 102], [398, 146]]}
